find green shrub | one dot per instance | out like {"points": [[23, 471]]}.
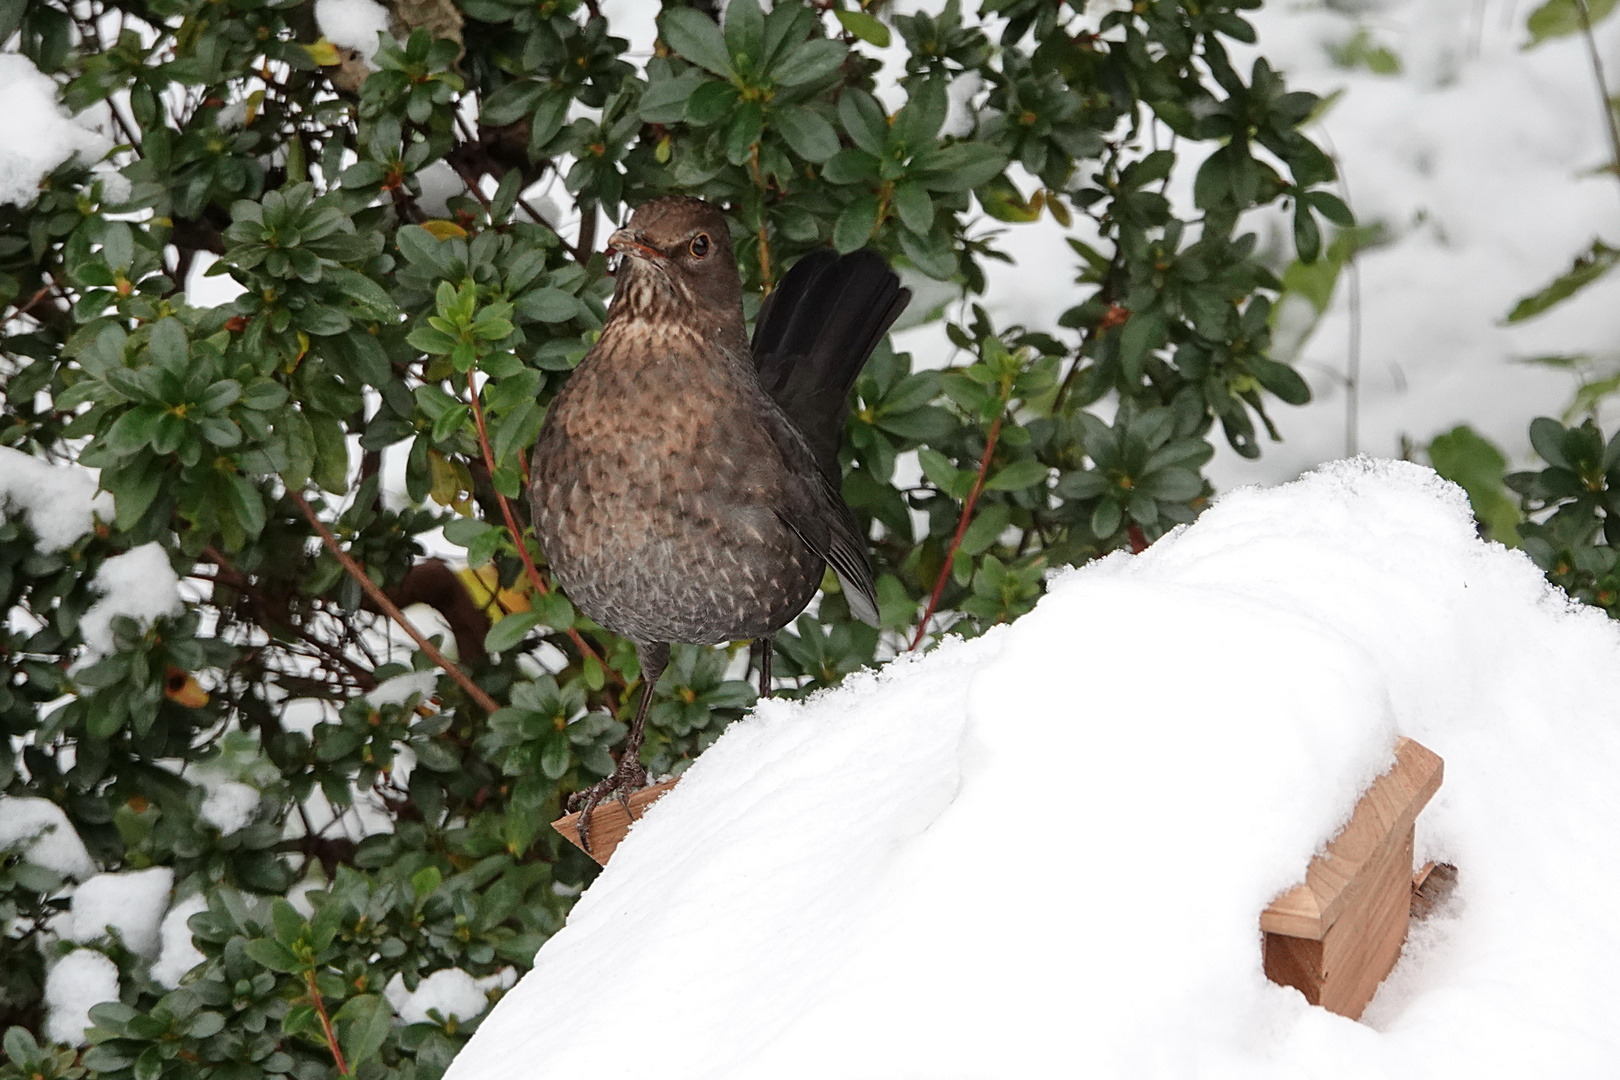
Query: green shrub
{"points": [[244, 733]]}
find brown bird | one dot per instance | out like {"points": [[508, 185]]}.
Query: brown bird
{"points": [[685, 484]]}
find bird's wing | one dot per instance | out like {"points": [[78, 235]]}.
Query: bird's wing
{"points": [[813, 335], [815, 511], [835, 538]]}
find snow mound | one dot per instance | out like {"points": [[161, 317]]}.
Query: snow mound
{"points": [[1045, 851], [36, 133], [452, 993], [60, 500], [177, 952], [131, 902], [353, 24], [81, 979], [230, 806], [399, 689], [47, 837], [139, 583]]}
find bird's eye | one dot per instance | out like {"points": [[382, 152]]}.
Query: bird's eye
{"points": [[700, 245]]}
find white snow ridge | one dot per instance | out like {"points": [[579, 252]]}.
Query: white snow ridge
{"points": [[1045, 852], [36, 133]]}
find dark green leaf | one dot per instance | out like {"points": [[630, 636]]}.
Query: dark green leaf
{"points": [[362, 1026], [810, 136], [1017, 476], [696, 37], [272, 954], [865, 120], [511, 630], [808, 63], [1596, 262], [864, 26]]}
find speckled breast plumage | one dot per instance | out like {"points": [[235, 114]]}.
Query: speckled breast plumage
{"points": [[653, 492]]}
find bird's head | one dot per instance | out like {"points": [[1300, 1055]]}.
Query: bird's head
{"points": [[674, 256]]}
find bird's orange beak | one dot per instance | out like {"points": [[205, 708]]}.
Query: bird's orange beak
{"points": [[631, 242]]}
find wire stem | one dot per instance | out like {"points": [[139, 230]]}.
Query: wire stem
{"points": [[1611, 122], [961, 527], [391, 609]]}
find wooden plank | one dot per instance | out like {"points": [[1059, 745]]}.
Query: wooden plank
{"points": [[1342, 970], [1334, 877], [1431, 886], [1361, 948], [609, 823]]}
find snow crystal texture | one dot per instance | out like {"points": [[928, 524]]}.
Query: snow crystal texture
{"points": [[139, 583], [36, 133], [1045, 851], [451, 993], [79, 980], [353, 24], [177, 953], [59, 502], [230, 806], [43, 835], [131, 902]]}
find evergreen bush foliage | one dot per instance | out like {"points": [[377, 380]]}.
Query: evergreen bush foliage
{"points": [[399, 799]]}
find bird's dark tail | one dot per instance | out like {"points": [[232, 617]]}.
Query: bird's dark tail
{"points": [[815, 333]]}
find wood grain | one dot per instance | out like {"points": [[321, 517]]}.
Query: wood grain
{"points": [[1387, 808], [1337, 934], [609, 823]]}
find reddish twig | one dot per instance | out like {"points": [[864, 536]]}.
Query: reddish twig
{"points": [[326, 1023], [44, 291], [539, 583], [391, 609], [961, 527]]}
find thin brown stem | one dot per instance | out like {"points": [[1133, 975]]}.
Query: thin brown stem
{"points": [[766, 281], [391, 609], [326, 1023], [1605, 99], [961, 527], [470, 181], [44, 291], [539, 583], [587, 232], [228, 575]]}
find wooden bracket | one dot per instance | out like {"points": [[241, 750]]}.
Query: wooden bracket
{"points": [[1337, 934], [609, 823]]}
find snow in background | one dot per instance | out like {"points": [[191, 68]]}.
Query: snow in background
{"points": [[177, 953], [1479, 161], [50, 840], [353, 24], [140, 583], [131, 902], [36, 133], [1048, 848], [59, 502], [76, 982]]}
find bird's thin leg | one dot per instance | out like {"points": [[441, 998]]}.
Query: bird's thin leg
{"points": [[768, 645], [629, 776]]}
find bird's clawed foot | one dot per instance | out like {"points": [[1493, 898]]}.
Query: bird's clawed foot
{"points": [[625, 781]]}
